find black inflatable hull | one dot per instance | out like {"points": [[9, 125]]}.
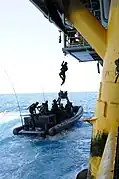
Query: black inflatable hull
{"points": [[17, 130], [66, 124]]}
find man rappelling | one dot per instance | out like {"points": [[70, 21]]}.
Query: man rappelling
{"points": [[63, 69]]}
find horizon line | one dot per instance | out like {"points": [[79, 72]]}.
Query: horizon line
{"points": [[48, 92]]}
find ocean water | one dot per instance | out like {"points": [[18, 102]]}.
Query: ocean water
{"points": [[58, 157]]}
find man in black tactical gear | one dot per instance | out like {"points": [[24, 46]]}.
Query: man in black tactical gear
{"points": [[64, 68]]}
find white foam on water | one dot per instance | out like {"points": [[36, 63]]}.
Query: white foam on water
{"points": [[8, 116]]}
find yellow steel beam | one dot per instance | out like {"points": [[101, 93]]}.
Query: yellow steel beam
{"points": [[88, 26], [107, 108], [106, 44]]}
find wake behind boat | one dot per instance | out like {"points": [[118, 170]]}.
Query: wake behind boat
{"points": [[42, 122]]}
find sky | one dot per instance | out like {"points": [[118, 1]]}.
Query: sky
{"points": [[31, 55]]}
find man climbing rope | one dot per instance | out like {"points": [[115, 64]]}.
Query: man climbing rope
{"points": [[63, 69]]}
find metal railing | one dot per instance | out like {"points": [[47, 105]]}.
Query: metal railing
{"points": [[74, 38]]}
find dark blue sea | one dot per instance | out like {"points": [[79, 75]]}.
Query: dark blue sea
{"points": [[59, 157]]}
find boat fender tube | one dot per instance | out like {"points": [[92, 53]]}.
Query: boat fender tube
{"points": [[82, 174], [17, 130], [76, 108], [66, 124], [52, 132], [43, 134]]}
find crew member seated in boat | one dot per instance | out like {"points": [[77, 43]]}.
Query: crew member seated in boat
{"points": [[69, 108], [40, 108], [43, 109], [63, 69], [54, 108], [61, 107]]}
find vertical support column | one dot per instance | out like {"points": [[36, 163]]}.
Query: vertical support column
{"points": [[106, 45], [107, 108], [96, 35]]}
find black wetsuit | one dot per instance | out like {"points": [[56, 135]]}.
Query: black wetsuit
{"points": [[62, 73], [68, 108], [32, 110]]}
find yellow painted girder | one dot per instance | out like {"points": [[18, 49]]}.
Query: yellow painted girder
{"points": [[107, 108], [106, 44], [89, 27]]}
